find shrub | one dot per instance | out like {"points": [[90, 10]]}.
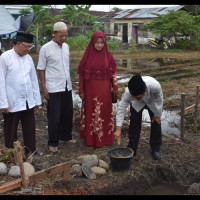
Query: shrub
{"points": [[133, 45], [193, 44], [77, 43], [113, 45]]}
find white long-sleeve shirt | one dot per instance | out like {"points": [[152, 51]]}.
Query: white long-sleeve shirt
{"points": [[18, 82], [153, 98], [54, 60]]}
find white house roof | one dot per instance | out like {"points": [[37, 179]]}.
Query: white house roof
{"points": [[144, 12], [15, 9], [8, 23]]}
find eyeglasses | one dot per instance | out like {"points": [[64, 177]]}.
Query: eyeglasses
{"points": [[27, 46]]}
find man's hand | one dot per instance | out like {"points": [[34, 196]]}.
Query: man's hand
{"points": [[37, 108], [45, 93], [117, 133], [156, 119], [5, 110]]}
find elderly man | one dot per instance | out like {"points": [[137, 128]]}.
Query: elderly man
{"points": [[142, 93], [54, 73], [19, 92]]}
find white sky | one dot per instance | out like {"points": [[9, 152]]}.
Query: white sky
{"points": [[107, 7]]}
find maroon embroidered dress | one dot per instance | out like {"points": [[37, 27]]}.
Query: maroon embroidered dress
{"points": [[95, 70]]}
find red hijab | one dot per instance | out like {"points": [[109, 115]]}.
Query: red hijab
{"points": [[97, 64]]}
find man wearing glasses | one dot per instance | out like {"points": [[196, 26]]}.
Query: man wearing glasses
{"points": [[19, 92]]}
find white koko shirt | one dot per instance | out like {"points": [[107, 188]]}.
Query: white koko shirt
{"points": [[153, 98], [18, 82], [55, 61]]}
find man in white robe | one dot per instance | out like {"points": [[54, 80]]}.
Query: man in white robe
{"points": [[19, 92]]}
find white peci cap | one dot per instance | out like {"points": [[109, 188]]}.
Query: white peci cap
{"points": [[59, 26]]}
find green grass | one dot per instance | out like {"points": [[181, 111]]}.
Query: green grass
{"points": [[173, 50]]}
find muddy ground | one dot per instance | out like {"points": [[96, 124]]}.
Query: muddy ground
{"points": [[173, 174]]}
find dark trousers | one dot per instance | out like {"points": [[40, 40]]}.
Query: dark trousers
{"points": [[11, 121], [135, 129], [60, 117]]}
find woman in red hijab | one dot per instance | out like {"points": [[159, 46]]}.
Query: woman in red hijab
{"points": [[95, 70]]}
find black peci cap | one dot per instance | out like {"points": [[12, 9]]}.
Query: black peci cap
{"points": [[24, 37]]}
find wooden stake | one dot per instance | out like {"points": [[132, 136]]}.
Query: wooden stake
{"points": [[196, 109], [182, 115], [64, 168], [190, 107], [66, 172], [18, 150]]}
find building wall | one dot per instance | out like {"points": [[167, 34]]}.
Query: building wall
{"points": [[142, 35]]}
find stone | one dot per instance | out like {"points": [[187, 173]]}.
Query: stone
{"points": [[15, 170], [98, 170], [76, 170], [103, 164], [29, 169], [3, 168], [91, 161], [194, 189], [88, 172], [74, 162], [80, 158]]}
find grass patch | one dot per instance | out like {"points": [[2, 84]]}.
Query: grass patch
{"points": [[173, 50]]}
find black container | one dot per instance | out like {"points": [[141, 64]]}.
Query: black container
{"points": [[120, 158]]}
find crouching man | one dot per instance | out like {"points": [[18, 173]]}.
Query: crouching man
{"points": [[142, 93]]}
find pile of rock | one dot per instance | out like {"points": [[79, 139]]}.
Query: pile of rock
{"points": [[14, 171], [90, 166]]}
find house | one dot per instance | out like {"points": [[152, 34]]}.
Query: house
{"points": [[125, 24], [14, 10], [10, 25]]}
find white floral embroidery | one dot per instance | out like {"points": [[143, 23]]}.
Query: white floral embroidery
{"points": [[97, 120], [111, 124]]}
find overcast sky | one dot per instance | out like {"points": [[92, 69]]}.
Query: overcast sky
{"points": [[107, 7]]}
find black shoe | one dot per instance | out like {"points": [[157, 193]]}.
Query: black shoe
{"points": [[134, 151], [156, 155]]}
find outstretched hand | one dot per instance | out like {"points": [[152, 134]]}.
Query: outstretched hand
{"points": [[117, 134]]}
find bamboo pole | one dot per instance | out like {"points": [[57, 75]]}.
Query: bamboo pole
{"points": [[196, 109], [182, 115], [18, 150]]}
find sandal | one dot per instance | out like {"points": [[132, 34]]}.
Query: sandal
{"points": [[53, 149]]}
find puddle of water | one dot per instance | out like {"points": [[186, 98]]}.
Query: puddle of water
{"points": [[76, 99], [162, 68], [157, 62], [170, 122], [170, 119]]}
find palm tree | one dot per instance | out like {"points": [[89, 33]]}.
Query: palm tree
{"points": [[42, 16], [76, 15]]}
